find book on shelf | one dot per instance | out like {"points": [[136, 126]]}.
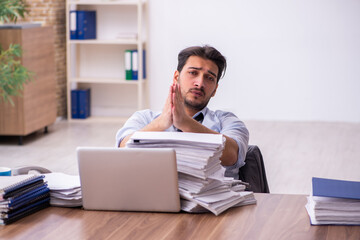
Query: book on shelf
{"points": [[80, 103], [74, 104], [132, 64], [334, 202], [128, 62], [21, 196], [82, 25]]}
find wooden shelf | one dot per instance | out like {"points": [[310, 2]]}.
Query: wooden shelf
{"points": [[106, 41], [105, 80], [105, 2]]}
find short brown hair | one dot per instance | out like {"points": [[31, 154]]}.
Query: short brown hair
{"points": [[206, 52]]}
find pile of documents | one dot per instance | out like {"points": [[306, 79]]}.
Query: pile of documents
{"points": [[202, 184], [65, 190], [334, 202], [21, 196]]}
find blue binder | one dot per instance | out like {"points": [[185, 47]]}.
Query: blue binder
{"points": [[84, 103], [86, 24], [73, 24], [74, 104], [335, 188], [11, 202], [22, 183], [135, 64], [37, 206], [22, 195], [82, 24], [32, 205]]}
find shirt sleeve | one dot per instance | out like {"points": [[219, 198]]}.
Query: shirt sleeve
{"points": [[136, 122], [232, 127]]}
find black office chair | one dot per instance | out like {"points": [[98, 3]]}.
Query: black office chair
{"points": [[254, 171]]}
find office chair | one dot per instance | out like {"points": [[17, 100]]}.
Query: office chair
{"points": [[253, 172]]}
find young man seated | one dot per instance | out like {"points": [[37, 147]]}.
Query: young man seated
{"points": [[194, 83]]}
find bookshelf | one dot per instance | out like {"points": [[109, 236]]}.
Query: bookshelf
{"points": [[99, 64]]}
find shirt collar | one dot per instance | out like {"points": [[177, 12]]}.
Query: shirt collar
{"points": [[203, 111]]}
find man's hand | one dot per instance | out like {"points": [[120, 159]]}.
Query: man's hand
{"points": [[179, 116], [165, 119]]}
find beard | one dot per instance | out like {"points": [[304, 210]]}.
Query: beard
{"points": [[193, 104]]}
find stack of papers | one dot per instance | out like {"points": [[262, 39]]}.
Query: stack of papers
{"points": [[65, 190], [334, 202], [202, 184], [21, 196], [192, 206]]}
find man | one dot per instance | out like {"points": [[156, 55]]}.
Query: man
{"points": [[195, 82]]}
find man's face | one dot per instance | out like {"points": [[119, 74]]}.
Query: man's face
{"points": [[198, 82]]}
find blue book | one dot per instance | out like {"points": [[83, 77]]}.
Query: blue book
{"points": [[4, 220], [84, 103], [12, 202], [144, 64], [23, 204], [135, 64], [10, 184], [86, 24], [25, 189], [335, 188], [128, 63], [73, 24], [27, 207], [74, 104]]}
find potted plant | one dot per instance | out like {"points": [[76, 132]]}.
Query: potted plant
{"points": [[12, 74]]}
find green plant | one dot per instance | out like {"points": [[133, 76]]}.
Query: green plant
{"points": [[11, 10], [12, 74]]}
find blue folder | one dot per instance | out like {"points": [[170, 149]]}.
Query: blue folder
{"points": [[84, 103], [80, 103], [135, 60], [74, 104], [19, 185], [335, 188], [86, 25], [26, 197], [82, 24]]}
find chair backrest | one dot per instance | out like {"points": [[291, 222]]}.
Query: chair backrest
{"points": [[253, 172]]}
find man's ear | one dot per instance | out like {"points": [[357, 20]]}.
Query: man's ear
{"points": [[176, 76]]}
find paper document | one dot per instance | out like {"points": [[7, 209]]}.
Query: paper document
{"points": [[65, 190], [202, 184]]}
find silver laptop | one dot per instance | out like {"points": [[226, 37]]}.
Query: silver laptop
{"points": [[129, 179]]}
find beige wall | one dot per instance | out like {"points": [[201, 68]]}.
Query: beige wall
{"points": [[52, 13]]}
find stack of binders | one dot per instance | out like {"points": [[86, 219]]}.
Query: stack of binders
{"points": [[334, 202], [202, 184], [132, 65], [21, 196], [82, 25], [80, 103]]}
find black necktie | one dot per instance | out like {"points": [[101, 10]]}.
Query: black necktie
{"points": [[198, 118]]}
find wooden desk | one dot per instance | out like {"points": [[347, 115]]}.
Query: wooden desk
{"points": [[274, 217]]}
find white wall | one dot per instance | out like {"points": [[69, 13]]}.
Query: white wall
{"points": [[287, 60]]}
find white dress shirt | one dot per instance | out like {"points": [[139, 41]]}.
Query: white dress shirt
{"points": [[220, 121]]}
